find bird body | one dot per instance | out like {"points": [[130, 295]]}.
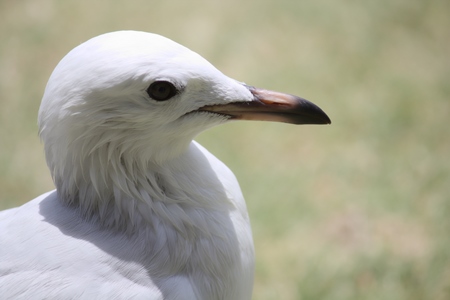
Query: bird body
{"points": [[140, 210], [209, 250]]}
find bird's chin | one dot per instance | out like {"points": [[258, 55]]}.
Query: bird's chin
{"points": [[198, 121], [210, 115]]}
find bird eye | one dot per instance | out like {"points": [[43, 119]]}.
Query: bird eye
{"points": [[161, 90]]}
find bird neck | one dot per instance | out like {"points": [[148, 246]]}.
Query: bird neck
{"points": [[129, 195], [185, 214]]}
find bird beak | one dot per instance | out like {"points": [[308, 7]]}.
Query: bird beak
{"points": [[272, 106]]}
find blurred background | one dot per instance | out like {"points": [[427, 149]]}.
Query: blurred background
{"points": [[359, 209]]}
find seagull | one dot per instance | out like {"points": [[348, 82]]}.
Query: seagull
{"points": [[140, 210]]}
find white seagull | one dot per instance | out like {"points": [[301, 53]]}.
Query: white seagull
{"points": [[140, 210]]}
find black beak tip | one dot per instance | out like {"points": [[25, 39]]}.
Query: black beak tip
{"points": [[312, 114]]}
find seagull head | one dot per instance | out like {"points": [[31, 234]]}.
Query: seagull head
{"points": [[127, 100]]}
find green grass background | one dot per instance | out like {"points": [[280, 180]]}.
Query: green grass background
{"points": [[356, 210]]}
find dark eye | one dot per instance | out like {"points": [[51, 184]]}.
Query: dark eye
{"points": [[161, 90]]}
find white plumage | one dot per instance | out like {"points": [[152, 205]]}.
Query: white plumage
{"points": [[140, 210]]}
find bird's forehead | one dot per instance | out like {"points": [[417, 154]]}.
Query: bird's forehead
{"points": [[139, 53], [134, 43]]}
